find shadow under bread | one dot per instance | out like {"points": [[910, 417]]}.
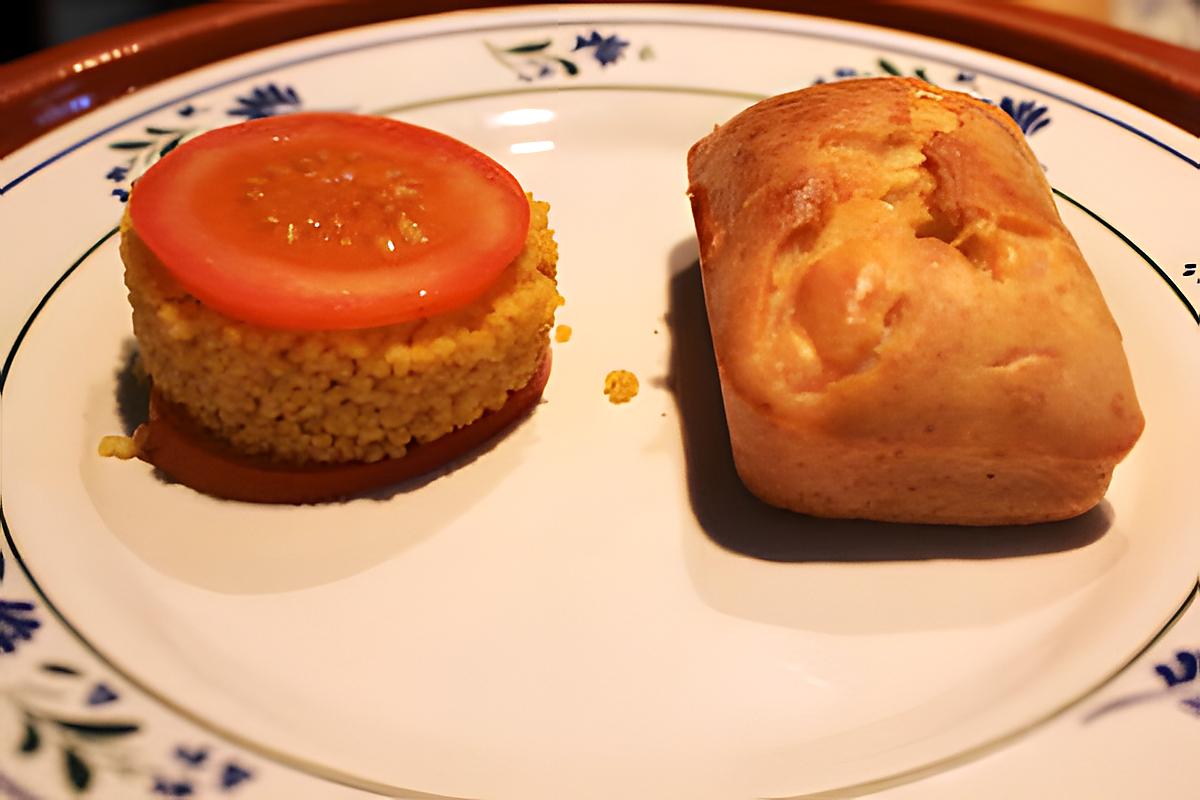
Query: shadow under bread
{"points": [[739, 522]]}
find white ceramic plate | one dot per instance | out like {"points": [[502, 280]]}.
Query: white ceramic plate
{"points": [[593, 607]]}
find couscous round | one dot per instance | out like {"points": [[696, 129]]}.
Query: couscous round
{"points": [[330, 397]]}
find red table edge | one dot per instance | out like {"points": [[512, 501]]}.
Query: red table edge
{"points": [[49, 88]]}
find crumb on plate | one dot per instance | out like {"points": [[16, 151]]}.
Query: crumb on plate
{"points": [[121, 447], [620, 385], [562, 333]]}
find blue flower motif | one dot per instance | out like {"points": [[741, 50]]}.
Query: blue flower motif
{"points": [[193, 758], [186, 110], [965, 77], [1029, 116], [845, 72], [233, 775], [171, 788], [117, 174], [607, 48], [16, 624], [266, 101], [1189, 669], [121, 194], [101, 694]]}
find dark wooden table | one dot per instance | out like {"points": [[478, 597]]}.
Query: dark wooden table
{"points": [[44, 90]]}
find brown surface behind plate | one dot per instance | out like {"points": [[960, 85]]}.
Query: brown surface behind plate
{"points": [[42, 91]]}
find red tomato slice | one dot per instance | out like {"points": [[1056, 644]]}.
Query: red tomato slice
{"points": [[182, 449], [330, 221]]}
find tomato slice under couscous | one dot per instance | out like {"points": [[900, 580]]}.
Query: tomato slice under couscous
{"points": [[330, 221]]}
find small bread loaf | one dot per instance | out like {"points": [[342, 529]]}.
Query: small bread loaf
{"points": [[904, 329]]}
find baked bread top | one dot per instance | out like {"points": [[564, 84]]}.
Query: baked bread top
{"points": [[883, 259]]}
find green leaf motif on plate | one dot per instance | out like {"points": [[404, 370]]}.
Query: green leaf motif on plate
{"points": [[98, 730], [32, 740], [78, 771], [532, 47]]}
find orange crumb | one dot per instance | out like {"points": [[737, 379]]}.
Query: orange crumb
{"points": [[621, 386]]}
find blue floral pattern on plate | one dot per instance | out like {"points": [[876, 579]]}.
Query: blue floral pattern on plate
{"points": [[1184, 671], [17, 621], [198, 772], [84, 744], [1179, 676], [605, 49], [538, 59], [1029, 116], [266, 101], [156, 141]]}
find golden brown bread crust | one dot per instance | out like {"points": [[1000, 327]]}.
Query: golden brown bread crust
{"points": [[904, 328]]}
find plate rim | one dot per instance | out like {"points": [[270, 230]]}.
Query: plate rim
{"points": [[355, 782], [1152, 72], [615, 18]]}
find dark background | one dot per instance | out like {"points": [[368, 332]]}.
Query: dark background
{"points": [[31, 25]]}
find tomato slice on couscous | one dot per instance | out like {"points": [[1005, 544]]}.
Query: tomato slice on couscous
{"points": [[330, 221]]}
